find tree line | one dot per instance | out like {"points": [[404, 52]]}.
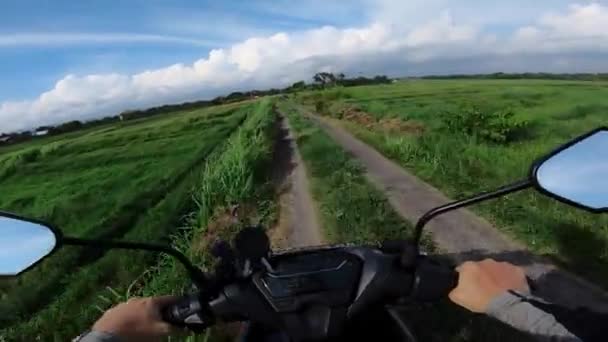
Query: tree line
{"points": [[525, 75], [320, 80]]}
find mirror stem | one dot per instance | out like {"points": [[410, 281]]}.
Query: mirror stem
{"points": [[429, 215], [195, 273]]}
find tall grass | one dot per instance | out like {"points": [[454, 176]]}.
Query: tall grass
{"points": [[236, 174]]}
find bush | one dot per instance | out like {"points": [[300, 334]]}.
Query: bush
{"points": [[321, 106], [499, 126], [30, 156]]}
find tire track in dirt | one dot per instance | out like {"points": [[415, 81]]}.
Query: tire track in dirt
{"points": [[298, 221], [462, 234]]}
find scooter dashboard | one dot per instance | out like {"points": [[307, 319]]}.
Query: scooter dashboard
{"points": [[298, 281]]}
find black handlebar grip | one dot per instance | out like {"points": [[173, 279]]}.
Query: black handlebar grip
{"points": [[532, 284], [187, 311], [433, 280]]}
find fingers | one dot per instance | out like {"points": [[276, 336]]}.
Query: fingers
{"points": [[467, 266], [164, 328], [133, 299], [163, 301]]}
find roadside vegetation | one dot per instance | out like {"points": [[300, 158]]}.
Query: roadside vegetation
{"points": [[474, 135]]}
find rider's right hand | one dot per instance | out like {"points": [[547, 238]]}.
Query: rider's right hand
{"points": [[480, 282]]}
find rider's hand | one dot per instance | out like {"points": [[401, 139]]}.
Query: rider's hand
{"points": [[136, 319], [480, 282]]}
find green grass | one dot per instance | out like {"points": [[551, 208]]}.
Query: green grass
{"points": [[461, 165], [353, 210], [131, 181]]}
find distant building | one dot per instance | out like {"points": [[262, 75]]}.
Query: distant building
{"points": [[5, 138], [41, 133]]}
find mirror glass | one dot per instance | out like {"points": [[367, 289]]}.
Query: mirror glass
{"points": [[22, 244], [579, 173]]}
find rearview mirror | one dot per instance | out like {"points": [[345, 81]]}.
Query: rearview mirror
{"points": [[23, 244], [577, 173]]}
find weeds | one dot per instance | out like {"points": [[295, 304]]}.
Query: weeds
{"points": [[498, 126]]}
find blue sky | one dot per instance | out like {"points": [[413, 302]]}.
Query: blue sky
{"points": [[63, 60], [31, 68]]}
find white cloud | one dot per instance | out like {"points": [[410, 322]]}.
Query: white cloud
{"points": [[383, 46], [583, 27], [441, 31]]}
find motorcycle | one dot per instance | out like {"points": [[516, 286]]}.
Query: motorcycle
{"points": [[328, 292]]}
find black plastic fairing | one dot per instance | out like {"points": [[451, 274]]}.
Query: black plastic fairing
{"points": [[382, 279], [243, 302]]}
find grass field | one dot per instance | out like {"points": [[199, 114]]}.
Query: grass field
{"points": [[412, 122], [130, 180]]}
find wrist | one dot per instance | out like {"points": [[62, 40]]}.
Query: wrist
{"points": [[503, 301]]}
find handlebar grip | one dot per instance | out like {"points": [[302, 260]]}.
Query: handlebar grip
{"points": [[187, 312], [433, 281]]}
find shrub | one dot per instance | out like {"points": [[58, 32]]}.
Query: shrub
{"points": [[321, 106], [499, 126]]}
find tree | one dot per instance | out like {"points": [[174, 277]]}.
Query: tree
{"points": [[324, 78], [298, 85]]}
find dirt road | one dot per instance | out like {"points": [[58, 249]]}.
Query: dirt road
{"points": [[298, 223], [462, 234]]}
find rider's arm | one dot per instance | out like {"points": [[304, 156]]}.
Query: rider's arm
{"points": [[589, 326], [519, 311], [489, 287], [137, 319]]}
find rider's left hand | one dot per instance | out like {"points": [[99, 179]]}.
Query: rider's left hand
{"points": [[137, 319]]}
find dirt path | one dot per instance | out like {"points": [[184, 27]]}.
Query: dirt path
{"points": [[298, 224], [462, 234]]}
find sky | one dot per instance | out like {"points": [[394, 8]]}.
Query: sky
{"points": [[578, 173], [66, 60]]}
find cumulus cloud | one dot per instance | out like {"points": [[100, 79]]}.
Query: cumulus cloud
{"points": [[383, 46], [582, 27]]}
